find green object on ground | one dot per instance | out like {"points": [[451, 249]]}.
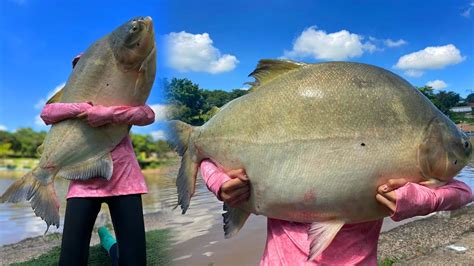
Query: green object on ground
{"points": [[157, 243], [106, 239]]}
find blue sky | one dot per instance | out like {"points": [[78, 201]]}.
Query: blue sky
{"points": [[218, 43]]}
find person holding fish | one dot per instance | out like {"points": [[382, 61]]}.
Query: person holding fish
{"points": [[355, 244], [89, 144], [122, 192]]}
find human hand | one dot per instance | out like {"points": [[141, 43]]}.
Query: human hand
{"points": [[237, 190], [386, 194]]}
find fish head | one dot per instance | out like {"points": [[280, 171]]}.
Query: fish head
{"points": [[444, 151], [133, 42]]}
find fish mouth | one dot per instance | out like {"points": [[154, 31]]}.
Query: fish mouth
{"points": [[147, 22]]}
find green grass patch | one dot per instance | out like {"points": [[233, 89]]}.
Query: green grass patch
{"points": [[157, 248], [387, 262]]}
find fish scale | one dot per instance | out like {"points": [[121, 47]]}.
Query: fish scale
{"points": [[316, 140]]}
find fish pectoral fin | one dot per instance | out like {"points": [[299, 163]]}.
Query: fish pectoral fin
{"points": [[234, 219], [56, 97], [433, 183], [321, 235], [268, 69], [93, 167]]}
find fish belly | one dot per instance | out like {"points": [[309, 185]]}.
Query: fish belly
{"points": [[319, 180]]}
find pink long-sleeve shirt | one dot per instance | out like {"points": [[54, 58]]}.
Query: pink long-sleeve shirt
{"points": [[126, 178], [355, 244]]}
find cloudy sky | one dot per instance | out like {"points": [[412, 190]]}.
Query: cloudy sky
{"points": [[218, 43]]}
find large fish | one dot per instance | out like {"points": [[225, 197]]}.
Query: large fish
{"points": [[316, 140], [118, 69]]}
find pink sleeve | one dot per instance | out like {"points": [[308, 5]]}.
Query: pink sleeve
{"points": [[55, 112], [138, 115], [213, 176], [414, 199]]}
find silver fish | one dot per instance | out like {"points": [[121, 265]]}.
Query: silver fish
{"points": [[316, 140]]}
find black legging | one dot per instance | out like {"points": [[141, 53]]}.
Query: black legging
{"points": [[127, 218]]}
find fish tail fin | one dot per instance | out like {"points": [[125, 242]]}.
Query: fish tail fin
{"points": [[178, 135], [41, 196]]}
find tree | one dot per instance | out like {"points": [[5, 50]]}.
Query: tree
{"points": [[470, 98], [186, 101], [443, 100], [193, 105], [5, 150], [29, 141]]}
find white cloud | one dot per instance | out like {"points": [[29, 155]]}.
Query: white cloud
{"points": [[437, 84], [157, 135], [3, 128], [328, 46], [160, 111], [41, 103], [467, 12], [195, 52], [414, 73], [433, 57], [391, 43]]}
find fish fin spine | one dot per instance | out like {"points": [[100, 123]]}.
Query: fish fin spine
{"points": [[321, 235], [42, 197], [234, 219], [268, 69]]}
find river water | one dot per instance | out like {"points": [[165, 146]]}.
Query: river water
{"points": [[202, 222]]}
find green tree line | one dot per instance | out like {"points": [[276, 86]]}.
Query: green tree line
{"points": [[24, 142], [445, 100]]}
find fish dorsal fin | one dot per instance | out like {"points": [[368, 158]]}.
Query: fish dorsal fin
{"points": [[96, 166], [268, 69], [56, 97]]}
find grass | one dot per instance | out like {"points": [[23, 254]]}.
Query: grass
{"points": [[157, 247], [386, 262]]}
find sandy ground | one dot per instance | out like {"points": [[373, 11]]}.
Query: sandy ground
{"points": [[425, 242], [422, 242]]}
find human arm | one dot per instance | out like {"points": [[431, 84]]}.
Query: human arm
{"points": [[56, 112], [411, 199], [232, 187], [130, 115]]}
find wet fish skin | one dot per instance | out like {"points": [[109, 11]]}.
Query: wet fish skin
{"points": [[317, 140], [118, 69]]}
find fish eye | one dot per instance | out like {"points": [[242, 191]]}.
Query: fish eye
{"points": [[466, 144]]}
